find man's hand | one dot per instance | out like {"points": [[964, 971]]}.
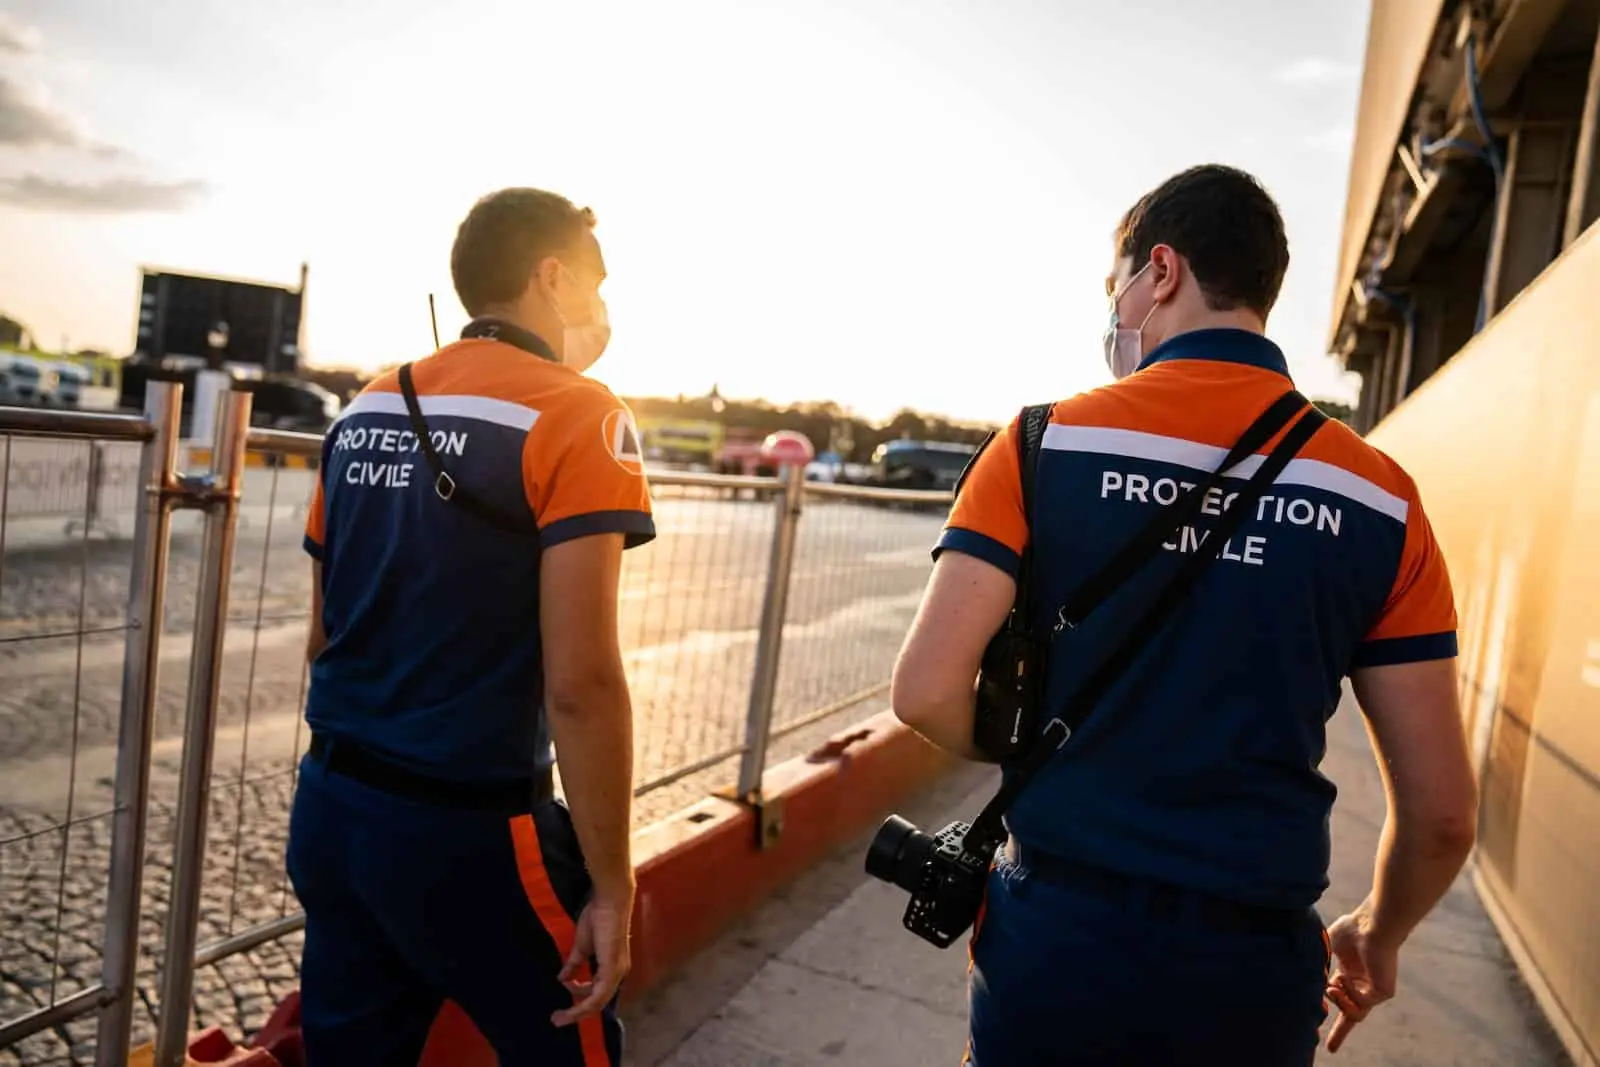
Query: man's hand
{"points": [[602, 936], [1365, 972]]}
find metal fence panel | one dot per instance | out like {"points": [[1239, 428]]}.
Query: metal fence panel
{"points": [[93, 482], [691, 604], [60, 665], [247, 915], [859, 571], [75, 665], [690, 617]]}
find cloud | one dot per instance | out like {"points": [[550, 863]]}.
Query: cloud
{"points": [[30, 124], [15, 37], [1315, 70], [28, 121], [114, 196]]}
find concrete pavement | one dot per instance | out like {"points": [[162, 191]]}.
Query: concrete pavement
{"points": [[855, 988]]}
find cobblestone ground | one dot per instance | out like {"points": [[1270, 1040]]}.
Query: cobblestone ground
{"points": [[691, 607]]}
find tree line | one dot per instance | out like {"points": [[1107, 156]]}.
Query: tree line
{"points": [[830, 426], [827, 424]]}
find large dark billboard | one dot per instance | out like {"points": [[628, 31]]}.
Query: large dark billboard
{"points": [[220, 320]]}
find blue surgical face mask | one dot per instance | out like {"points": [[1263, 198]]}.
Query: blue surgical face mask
{"points": [[1124, 348]]}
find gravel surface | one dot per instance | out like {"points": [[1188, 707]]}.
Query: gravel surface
{"points": [[691, 611]]}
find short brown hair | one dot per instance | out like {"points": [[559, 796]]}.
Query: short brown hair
{"points": [[1225, 224], [504, 237]]}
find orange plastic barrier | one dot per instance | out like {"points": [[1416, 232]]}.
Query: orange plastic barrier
{"points": [[281, 1034], [210, 1046], [213, 1046]]}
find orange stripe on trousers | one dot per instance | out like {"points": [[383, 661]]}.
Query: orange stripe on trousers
{"points": [[558, 924]]}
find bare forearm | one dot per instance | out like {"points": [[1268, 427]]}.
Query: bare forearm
{"points": [[947, 724], [1415, 869], [593, 734]]}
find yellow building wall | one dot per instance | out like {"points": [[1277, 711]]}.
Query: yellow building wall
{"points": [[1505, 445]]}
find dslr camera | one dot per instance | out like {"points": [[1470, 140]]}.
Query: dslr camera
{"points": [[943, 873]]}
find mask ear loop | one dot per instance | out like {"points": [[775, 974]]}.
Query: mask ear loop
{"points": [[1117, 296], [1148, 315], [555, 305]]}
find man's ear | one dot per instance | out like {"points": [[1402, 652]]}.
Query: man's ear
{"points": [[1167, 266], [547, 276]]}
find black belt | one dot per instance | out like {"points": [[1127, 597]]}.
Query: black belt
{"points": [[513, 797], [1161, 900]]}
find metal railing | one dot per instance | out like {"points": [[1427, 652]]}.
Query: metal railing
{"points": [[765, 609]]}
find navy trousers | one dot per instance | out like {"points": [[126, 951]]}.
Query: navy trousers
{"points": [[408, 904], [1070, 975]]}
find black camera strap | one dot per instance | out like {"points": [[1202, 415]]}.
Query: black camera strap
{"points": [[447, 488], [988, 829], [1031, 424]]}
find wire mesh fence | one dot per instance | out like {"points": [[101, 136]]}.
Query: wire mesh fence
{"points": [[860, 565], [52, 483], [691, 617], [690, 604], [64, 591], [248, 950]]}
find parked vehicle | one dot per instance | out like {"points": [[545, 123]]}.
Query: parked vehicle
{"points": [[71, 381], [24, 380], [920, 464]]}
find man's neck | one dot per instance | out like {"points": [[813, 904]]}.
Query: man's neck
{"points": [[551, 336], [1235, 319]]}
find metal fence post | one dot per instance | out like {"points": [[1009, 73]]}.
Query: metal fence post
{"points": [[764, 680], [163, 406], [218, 493], [95, 477]]}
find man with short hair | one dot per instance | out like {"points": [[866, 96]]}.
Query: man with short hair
{"points": [[1154, 904], [467, 535]]}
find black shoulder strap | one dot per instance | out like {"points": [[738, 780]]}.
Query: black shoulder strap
{"points": [[1031, 425], [447, 488], [988, 828]]}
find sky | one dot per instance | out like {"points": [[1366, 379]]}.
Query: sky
{"points": [[883, 203]]}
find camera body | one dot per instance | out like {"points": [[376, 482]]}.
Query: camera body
{"points": [[944, 876], [1006, 716]]}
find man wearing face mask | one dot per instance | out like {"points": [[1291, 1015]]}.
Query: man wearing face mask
{"points": [[1155, 901], [467, 533]]}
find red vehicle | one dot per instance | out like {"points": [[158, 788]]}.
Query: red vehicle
{"points": [[741, 453]]}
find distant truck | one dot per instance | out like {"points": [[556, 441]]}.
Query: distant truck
{"points": [[920, 464], [681, 442]]}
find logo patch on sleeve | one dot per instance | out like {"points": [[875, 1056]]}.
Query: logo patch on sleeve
{"points": [[621, 439]]}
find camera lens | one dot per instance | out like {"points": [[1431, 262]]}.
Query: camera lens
{"points": [[898, 853]]}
